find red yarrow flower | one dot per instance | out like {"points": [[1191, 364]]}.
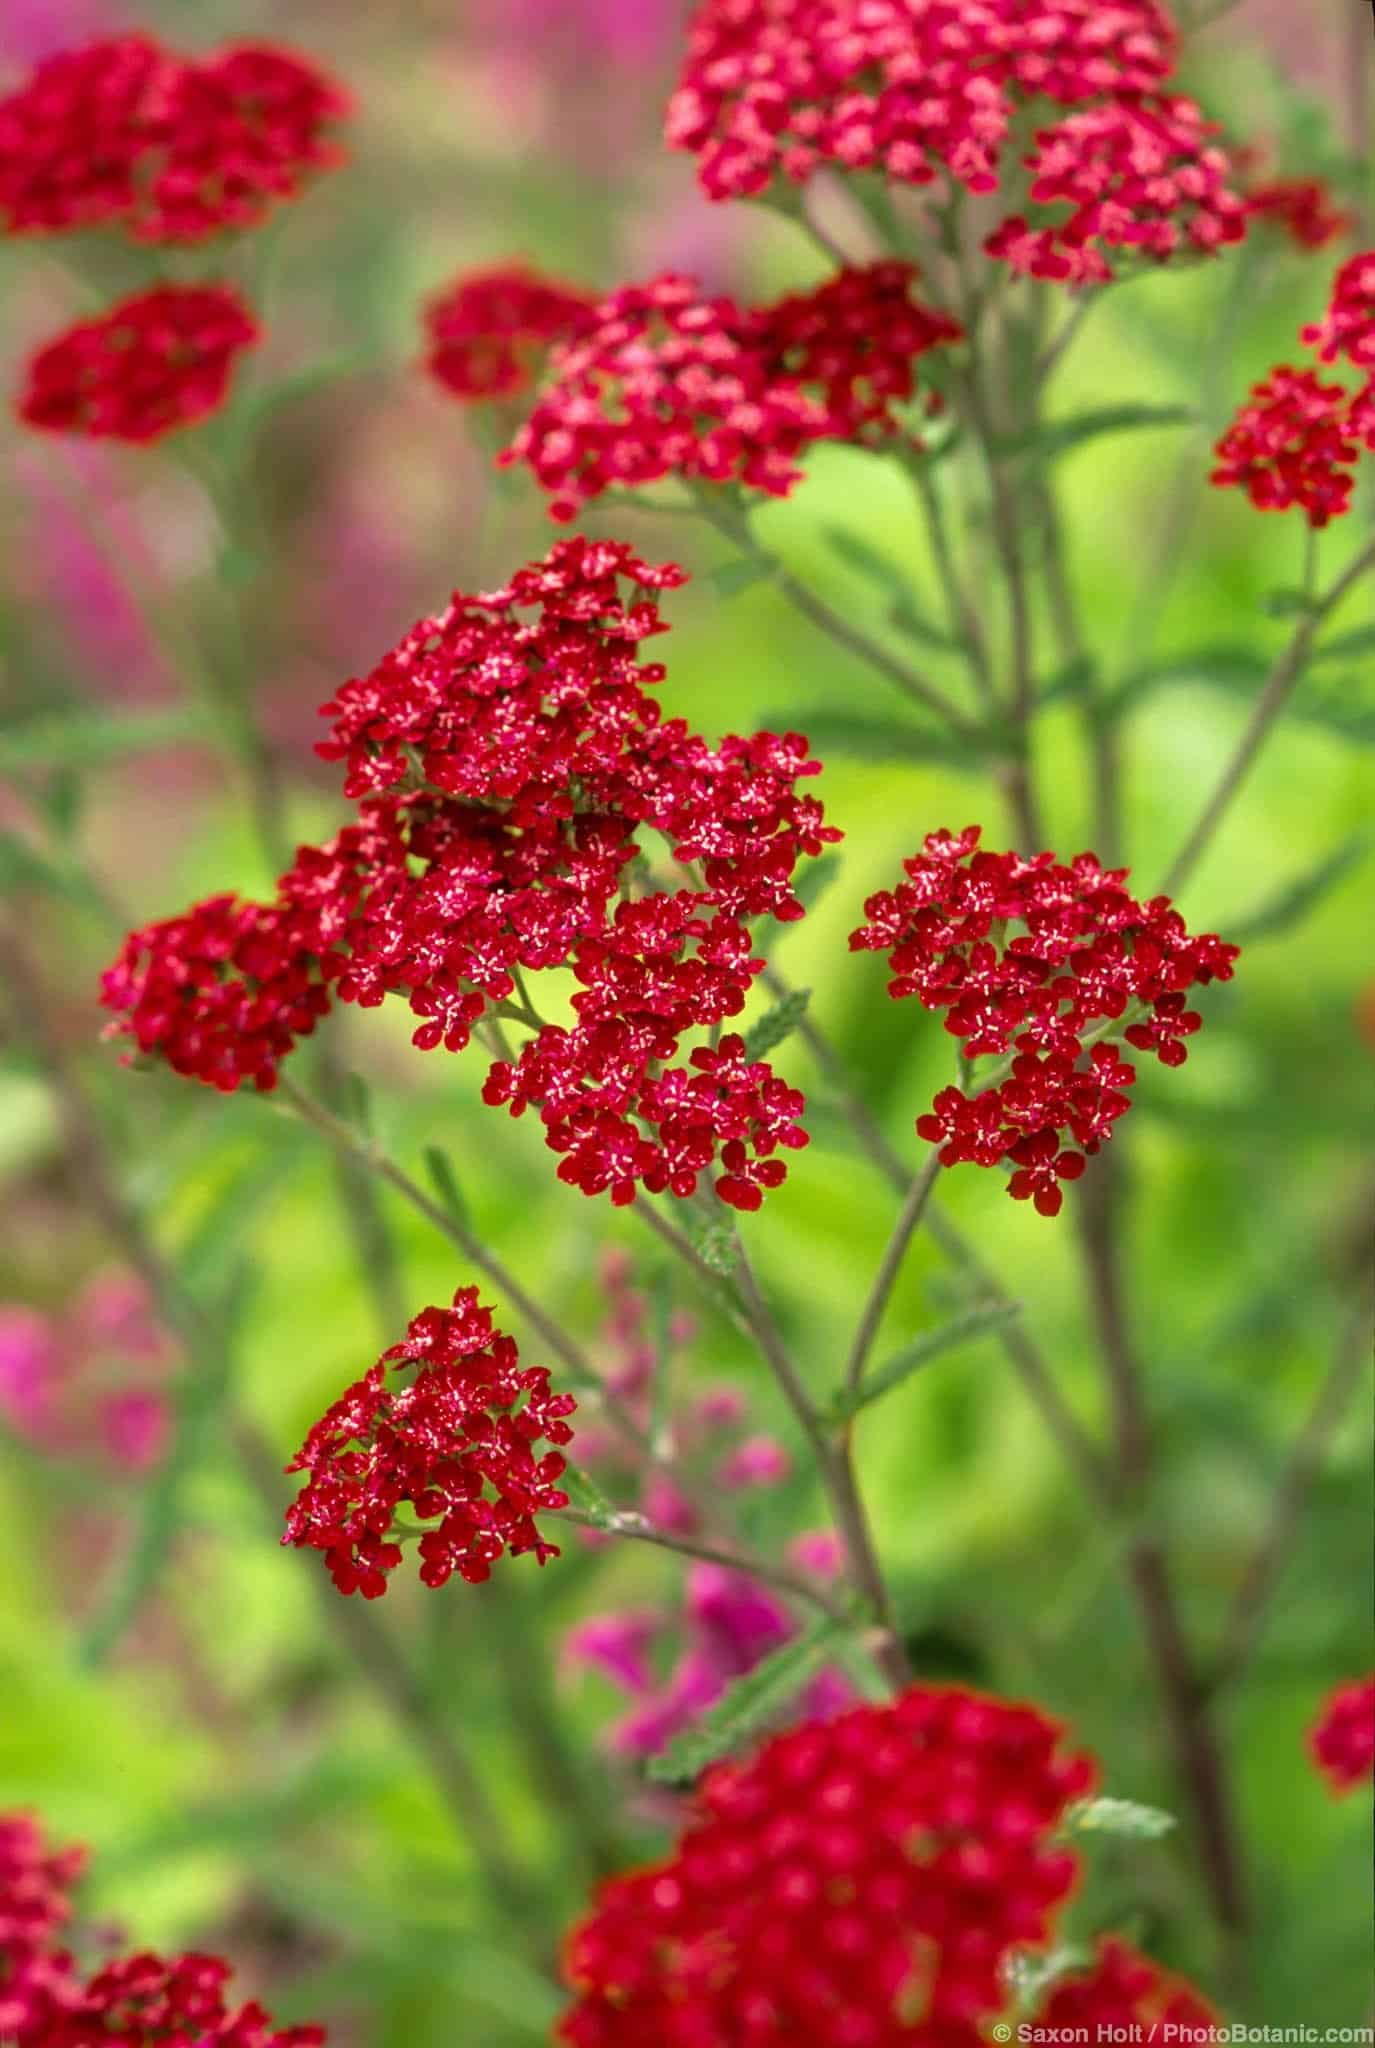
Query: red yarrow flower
{"points": [[1304, 209], [490, 332], [457, 1443], [154, 363], [36, 1882], [863, 1880], [668, 382], [1121, 1988], [125, 132], [1342, 1740], [1297, 439], [1040, 968], [927, 91], [503, 767]]}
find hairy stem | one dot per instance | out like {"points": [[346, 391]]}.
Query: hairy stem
{"points": [[636, 1528]]}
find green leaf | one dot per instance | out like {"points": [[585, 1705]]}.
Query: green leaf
{"points": [[1292, 903], [1240, 672], [201, 1391], [715, 1246], [1073, 680], [1360, 641], [358, 1102], [816, 878], [91, 739], [868, 561], [907, 619], [585, 1494], [1121, 1817], [974, 1323], [777, 1024], [1286, 603], [1054, 438], [728, 579], [887, 740], [747, 1707], [445, 1184]]}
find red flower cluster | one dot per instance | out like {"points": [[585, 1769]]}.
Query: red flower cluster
{"points": [[504, 768], [921, 90], [467, 1422], [1139, 176], [1083, 955], [1302, 208], [861, 1881], [1297, 438], [1342, 1740], [1123, 1989], [44, 2002], [153, 363], [666, 382], [490, 332], [126, 133]]}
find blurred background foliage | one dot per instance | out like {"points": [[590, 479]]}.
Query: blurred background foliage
{"points": [[199, 1721]]}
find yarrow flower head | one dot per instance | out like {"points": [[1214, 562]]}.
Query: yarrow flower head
{"points": [[172, 149], [154, 363], [137, 1999], [666, 381], [456, 1443], [502, 768], [1304, 209], [1042, 969], [1342, 1740], [927, 90], [859, 1881], [1298, 438], [1122, 1988], [490, 332]]}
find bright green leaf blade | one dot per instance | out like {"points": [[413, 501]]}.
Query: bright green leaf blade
{"points": [[444, 1181], [747, 1707], [1291, 904], [1360, 641], [975, 1323], [728, 579], [1058, 437], [777, 1024]]}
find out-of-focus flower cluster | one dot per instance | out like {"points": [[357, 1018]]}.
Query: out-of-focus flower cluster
{"points": [[456, 1443], [171, 149], [725, 1622], [1298, 438], [1034, 963], [489, 333], [47, 2002], [157, 361], [1342, 1740], [92, 1381], [503, 768], [929, 92], [1301, 208], [866, 1880], [665, 381]]}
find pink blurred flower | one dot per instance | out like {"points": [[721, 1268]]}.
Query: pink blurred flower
{"points": [[759, 1461], [818, 1551], [618, 1646], [135, 1428], [30, 1363]]}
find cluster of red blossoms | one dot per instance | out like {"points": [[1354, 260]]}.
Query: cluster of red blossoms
{"points": [[1296, 440], [663, 381], [1343, 1739], [45, 2002], [921, 90], [172, 149], [1302, 208], [859, 1883], [490, 332], [1039, 1002], [155, 362], [503, 768], [469, 1421]]}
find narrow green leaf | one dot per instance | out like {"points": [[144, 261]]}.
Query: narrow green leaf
{"points": [[728, 579], [915, 624], [816, 878], [1057, 437], [715, 1246], [858, 554], [202, 1389], [747, 1707], [884, 739], [585, 1494], [974, 1323], [91, 739], [1072, 680], [1360, 641], [1284, 910], [1338, 708], [660, 1320], [358, 1102], [445, 1184], [1286, 603], [777, 1024], [1122, 1817]]}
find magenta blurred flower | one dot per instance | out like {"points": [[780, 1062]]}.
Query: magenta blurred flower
{"points": [[135, 1428], [618, 1646], [30, 1364], [818, 1551]]}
